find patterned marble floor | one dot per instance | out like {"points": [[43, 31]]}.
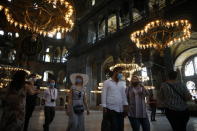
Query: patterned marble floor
{"points": [[93, 122]]}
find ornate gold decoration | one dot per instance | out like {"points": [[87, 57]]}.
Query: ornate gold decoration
{"points": [[160, 34], [44, 17]]}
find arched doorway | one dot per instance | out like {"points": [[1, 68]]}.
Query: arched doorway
{"points": [[186, 62]]}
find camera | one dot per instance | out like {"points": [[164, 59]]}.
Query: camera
{"points": [[52, 100]]}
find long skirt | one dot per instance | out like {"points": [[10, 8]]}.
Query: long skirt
{"points": [[76, 122]]}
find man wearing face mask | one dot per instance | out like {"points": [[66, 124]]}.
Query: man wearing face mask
{"points": [[50, 96], [114, 102]]}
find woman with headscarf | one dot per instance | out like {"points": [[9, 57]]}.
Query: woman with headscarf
{"points": [[77, 102], [14, 110]]}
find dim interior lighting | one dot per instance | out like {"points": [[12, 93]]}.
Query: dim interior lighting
{"points": [[9, 68], [9, 33], [1, 32], [43, 87], [173, 32], [50, 35], [127, 67], [64, 90], [149, 87], [1, 7], [5, 81], [58, 36], [96, 92], [16, 35], [67, 18], [100, 86], [131, 69]]}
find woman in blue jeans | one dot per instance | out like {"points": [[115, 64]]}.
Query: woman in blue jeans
{"points": [[137, 113]]}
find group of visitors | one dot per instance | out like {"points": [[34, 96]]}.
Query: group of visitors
{"points": [[118, 101], [20, 101]]}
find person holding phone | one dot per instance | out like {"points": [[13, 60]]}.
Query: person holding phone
{"points": [[137, 113], [13, 116]]}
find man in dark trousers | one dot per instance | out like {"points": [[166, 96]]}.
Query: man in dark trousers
{"points": [[114, 102], [30, 102], [50, 96]]}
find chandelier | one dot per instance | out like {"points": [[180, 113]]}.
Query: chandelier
{"points": [[127, 68], [44, 17], [131, 69], [6, 72], [160, 34]]}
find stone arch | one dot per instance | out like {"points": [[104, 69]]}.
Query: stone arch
{"points": [[61, 76], [56, 54], [183, 57], [105, 66], [91, 32]]}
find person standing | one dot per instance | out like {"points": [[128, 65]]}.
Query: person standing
{"points": [[13, 116], [77, 102], [153, 107], [114, 102], [174, 96], [50, 96], [137, 113], [30, 102]]}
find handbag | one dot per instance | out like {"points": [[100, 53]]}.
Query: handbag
{"points": [[78, 109]]}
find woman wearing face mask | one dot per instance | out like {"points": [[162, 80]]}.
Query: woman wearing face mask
{"points": [[137, 108], [77, 102]]}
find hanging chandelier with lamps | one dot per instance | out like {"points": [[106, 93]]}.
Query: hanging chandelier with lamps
{"points": [[130, 69], [160, 34], [127, 68], [43, 17]]}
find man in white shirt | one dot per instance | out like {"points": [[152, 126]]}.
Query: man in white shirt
{"points": [[114, 102], [50, 96]]}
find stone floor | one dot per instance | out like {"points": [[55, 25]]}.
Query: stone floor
{"points": [[93, 122]]}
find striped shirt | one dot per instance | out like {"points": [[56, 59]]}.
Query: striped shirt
{"points": [[171, 99]]}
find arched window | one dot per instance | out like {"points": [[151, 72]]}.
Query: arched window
{"points": [[10, 33], [190, 75], [112, 24], [191, 67], [93, 2], [46, 75], [57, 55], [64, 55], [156, 4], [136, 15], [16, 34], [12, 55], [47, 56], [58, 35], [91, 33], [101, 33]]}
